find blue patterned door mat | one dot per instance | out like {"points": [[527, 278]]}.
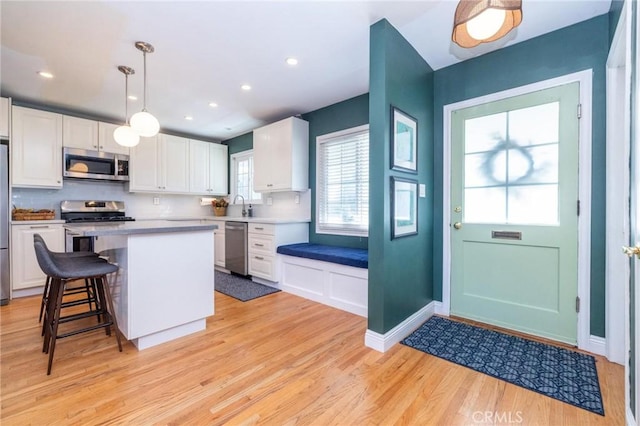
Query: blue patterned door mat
{"points": [[563, 374]]}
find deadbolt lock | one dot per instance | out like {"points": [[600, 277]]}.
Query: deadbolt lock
{"points": [[458, 209]]}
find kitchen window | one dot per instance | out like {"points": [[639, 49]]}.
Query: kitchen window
{"points": [[242, 177], [342, 182]]}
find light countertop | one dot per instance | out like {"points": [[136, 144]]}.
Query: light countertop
{"points": [[274, 220], [140, 227], [37, 222]]}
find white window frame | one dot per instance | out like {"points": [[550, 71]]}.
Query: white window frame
{"points": [[233, 175], [334, 230]]}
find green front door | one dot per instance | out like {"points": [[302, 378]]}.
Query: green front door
{"points": [[514, 190]]}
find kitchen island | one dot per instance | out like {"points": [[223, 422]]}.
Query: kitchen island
{"points": [[164, 287]]}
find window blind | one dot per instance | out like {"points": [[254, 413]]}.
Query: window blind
{"points": [[343, 183]]}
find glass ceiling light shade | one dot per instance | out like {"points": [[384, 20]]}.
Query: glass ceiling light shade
{"points": [[125, 135], [143, 122], [484, 21]]}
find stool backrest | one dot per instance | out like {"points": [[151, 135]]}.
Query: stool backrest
{"points": [[45, 260]]}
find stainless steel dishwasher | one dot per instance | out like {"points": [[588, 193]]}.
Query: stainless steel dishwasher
{"points": [[235, 246]]}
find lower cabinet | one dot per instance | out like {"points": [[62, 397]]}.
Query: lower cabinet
{"points": [[219, 251], [264, 239], [25, 271]]}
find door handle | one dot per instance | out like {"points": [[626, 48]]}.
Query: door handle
{"points": [[631, 251], [457, 225]]}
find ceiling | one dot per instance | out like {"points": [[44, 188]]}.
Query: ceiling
{"points": [[205, 50]]}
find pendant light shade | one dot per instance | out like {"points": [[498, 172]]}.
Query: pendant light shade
{"points": [[125, 135], [143, 122], [484, 21]]}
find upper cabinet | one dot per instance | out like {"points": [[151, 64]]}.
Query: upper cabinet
{"points": [[36, 148], [208, 168], [91, 135], [4, 118], [281, 156], [160, 164]]}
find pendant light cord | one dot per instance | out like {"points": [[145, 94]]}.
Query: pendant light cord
{"points": [[126, 101], [144, 102]]}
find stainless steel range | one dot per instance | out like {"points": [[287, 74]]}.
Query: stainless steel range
{"points": [[90, 212]]}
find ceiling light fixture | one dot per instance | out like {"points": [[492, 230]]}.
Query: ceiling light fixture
{"points": [[188, 117], [484, 21], [45, 74], [292, 61], [245, 87], [213, 104], [132, 97], [125, 135], [143, 122]]}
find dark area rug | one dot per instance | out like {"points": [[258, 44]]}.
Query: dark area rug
{"points": [[240, 288], [560, 373]]}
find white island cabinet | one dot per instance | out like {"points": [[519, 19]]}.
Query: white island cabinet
{"points": [[165, 283]]}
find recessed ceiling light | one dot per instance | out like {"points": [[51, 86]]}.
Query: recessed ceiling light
{"points": [[213, 104], [45, 74], [245, 87], [292, 61], [188, 117], [132, 98]]}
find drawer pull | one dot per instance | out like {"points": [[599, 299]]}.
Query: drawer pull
{"points": [[39, 226], [258, 257], [258, 245], [259, 229]]}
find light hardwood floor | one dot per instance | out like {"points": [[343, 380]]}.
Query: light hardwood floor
{"points": [[277, 360]]}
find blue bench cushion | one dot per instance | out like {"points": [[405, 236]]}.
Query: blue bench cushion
{"points": [[342, 255]]}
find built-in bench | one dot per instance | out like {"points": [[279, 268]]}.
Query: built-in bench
{"points": [[334, 276]]}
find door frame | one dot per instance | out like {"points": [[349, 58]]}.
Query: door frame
{"points": [[585, 340], [617, 271]]}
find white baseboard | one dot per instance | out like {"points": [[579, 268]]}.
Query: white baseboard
{"points": [[597, 345], [26, 292], [384, 342], [440, 309], [631, 421]]}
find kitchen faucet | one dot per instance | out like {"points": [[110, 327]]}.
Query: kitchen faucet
{"points": [[244, 212]]}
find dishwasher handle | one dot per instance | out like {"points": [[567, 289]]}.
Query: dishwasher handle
{"points": [[235, 226]]}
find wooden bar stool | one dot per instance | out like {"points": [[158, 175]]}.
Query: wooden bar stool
{"points": [[62, 271], [71, 291]]}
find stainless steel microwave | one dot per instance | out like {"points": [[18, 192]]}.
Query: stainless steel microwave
{"points": [[97, 165]]}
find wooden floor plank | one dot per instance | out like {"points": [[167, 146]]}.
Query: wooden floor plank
{"points": [[276, 360]]}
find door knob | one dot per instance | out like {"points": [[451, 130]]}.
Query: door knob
{"points": [[457, 225], [630, 251]]}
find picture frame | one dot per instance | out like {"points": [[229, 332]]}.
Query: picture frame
{"points": [[404, 141], [404, 207]]}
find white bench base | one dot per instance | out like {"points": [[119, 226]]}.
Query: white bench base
{"points": [[340, 286]]}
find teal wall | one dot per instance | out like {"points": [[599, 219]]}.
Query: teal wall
{"points": [[240, 143], [400, 270], [575, 48], [343, 115]]}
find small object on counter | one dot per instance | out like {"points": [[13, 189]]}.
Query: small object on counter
{"points": [[250, 211], [31, 214], [219, 206]]}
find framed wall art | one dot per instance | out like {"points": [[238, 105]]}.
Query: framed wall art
{"points": [[404, 141], [404, 207]]}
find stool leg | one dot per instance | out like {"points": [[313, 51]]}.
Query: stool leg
{"points": [[45, 295], [101, 297], [54, 288], [55, 322], [112, 313]]}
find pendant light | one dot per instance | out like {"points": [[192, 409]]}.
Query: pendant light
{"points": [[484, 21], [143, 122], [124, 134]]}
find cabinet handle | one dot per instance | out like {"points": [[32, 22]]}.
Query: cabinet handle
{"points": [[258, 245], [259, 229], [258, 257], [269, 184], [39, 226]]}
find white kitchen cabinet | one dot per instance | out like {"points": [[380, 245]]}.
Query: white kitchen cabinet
{"points": [[160, 164], [79, 133], [281, 156], [264, 239], [4, 117], [106, 141], [25, 271], [36, 148], [91, 135], [219, 250], [208, 165]]}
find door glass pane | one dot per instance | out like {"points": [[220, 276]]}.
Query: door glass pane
{"points": [[511, 166]]}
